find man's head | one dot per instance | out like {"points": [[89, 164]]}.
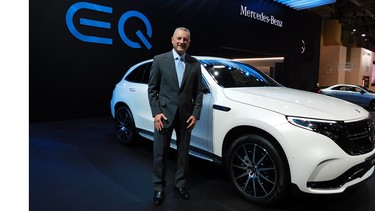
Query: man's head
{"points": [[181, 40]]}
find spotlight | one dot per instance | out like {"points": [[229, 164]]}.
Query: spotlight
{"points": [[305, 4]]}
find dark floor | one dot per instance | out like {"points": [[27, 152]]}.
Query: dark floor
{"points": [[78, 165]]}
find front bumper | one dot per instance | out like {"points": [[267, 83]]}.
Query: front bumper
{"points": [[318, 165], [355, 173]]}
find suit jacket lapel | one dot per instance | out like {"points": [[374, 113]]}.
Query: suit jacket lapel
{"points": [[171, 63], [187, 68]]}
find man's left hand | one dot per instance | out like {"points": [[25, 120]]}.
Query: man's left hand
{"points": [[191, 122]]}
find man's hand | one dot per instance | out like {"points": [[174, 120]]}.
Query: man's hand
{"points": [[158, 121], [191, 122]]}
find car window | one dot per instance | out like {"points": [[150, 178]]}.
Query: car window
{"points": [[229, 74], [351, 89], [146, 73], [140, 74], [342, 88], [355, 89]]}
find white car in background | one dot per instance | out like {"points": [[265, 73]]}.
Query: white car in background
{"points": [[269, 137]]}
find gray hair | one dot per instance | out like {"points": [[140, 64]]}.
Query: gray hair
{"points": [[183, 29]]}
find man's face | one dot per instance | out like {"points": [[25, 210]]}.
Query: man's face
{"points": [[181, 41]]}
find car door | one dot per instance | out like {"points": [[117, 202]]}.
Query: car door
{"points": [[343, 92], [201, 130], [137, 91], [358, 96]]}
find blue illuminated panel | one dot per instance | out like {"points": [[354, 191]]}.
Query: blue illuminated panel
{"points": [[304, 4]]}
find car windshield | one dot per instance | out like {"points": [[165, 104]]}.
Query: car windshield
{"points": [[230, 74]]}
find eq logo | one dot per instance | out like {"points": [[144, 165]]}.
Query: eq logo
{"points": [[143, 38]]}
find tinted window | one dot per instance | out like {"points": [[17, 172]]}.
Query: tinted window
{"points": [[339, 88], [140, 74], [355, 89], [146, 73], [235, 74]]}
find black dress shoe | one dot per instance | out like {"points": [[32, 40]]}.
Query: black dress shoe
{"points": [[183, 192], [158, 197]]}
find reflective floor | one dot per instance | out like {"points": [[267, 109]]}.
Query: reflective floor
{"points": [[78, 165]]}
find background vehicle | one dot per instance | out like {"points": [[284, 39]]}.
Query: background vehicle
{"points": [[268, 137], [352, 93]]}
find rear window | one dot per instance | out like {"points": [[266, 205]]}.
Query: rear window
{"points": [[140, 74]]}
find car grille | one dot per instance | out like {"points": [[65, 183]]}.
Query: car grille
{"points": [[356, 138]]}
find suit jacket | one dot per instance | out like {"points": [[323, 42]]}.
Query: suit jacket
{"points": [[165, 95]]}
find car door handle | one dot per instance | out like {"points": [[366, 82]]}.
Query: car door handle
{"points": [[132, 89]]}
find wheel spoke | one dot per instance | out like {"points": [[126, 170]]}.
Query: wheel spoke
{"points": [[267, 169], [242, 175], [261, 185], [240, 167], [247, 183], [241, 159], [261, 159], [247, 156], [266, 178], [254, 155], [126, 120], [254, 152], [254, 188]]}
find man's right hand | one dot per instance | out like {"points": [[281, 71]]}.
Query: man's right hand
{"points": [[158, 121]]}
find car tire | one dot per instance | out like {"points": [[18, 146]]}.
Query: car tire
{"points": [[372, 105], [257, 170], [124, 125]]}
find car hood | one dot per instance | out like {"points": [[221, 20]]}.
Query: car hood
{"points": [[295, 102]]}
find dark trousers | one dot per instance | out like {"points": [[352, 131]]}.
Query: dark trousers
{"points": [[162, 140]]}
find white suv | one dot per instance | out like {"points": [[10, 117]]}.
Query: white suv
{"points": [[267, 136]]}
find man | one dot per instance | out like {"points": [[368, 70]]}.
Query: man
{"points": [[175, 95]]}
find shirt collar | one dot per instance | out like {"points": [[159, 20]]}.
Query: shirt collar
{"points": [[176, 55]]}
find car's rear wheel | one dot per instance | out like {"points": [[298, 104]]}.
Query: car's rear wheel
{"points": [[256, 170], [124, 125]]}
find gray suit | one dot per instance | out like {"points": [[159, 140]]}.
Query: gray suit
{"points": [[177, 104]]}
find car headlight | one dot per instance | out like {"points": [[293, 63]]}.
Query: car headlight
{"points": [[329, 128]]}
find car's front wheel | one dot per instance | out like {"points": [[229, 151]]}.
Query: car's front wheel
{"points": [[124, 125], [256, 170], [372, 105]]}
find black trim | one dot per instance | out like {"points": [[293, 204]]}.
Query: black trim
{"points": [[202, 154], [355, 172], [221, 108]]}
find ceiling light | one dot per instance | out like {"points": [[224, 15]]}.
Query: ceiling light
{"points": [[305, 4], [260, 59]]}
